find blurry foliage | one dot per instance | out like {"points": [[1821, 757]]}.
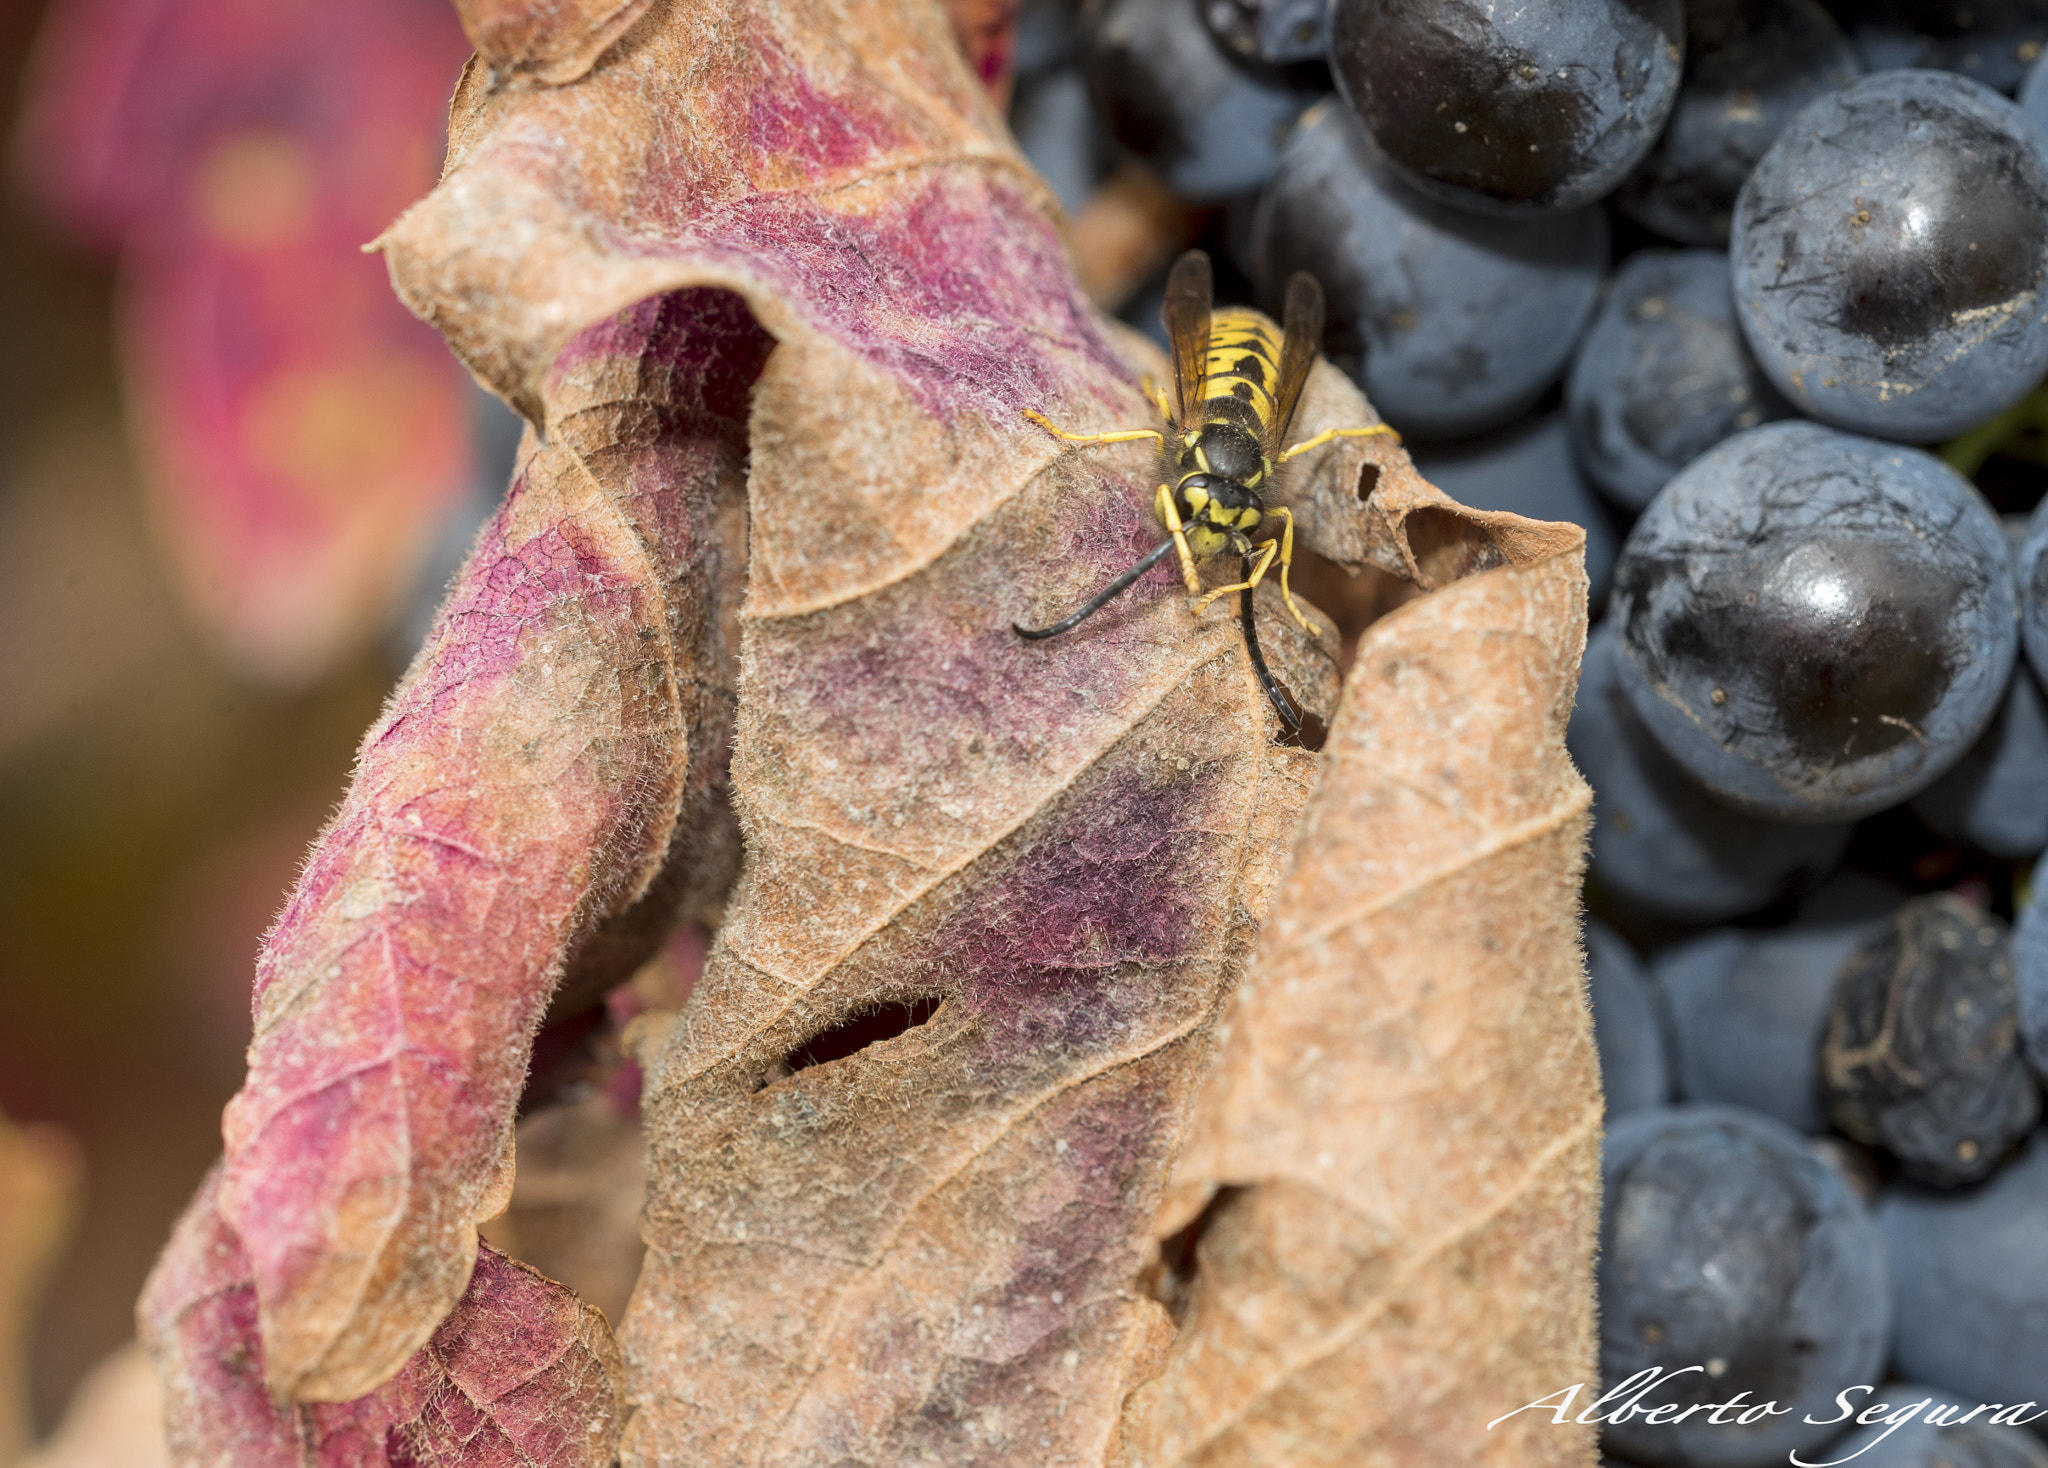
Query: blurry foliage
{"points": [[153, 806]]}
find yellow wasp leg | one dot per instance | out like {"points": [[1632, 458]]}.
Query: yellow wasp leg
{"points": [[1163, 506], [1136, 433], [1267, 550], [1329, 433], [1286, 561], [1165, 408]]}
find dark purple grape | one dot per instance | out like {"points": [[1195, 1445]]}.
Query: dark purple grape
{"points": [[1749, 66], [1922, 1051], [1990, 41], [1749, 1009], [1510, 109], [2033, 93], [1996, 797], [1970, 1271], [1276, 32], [2031, 567], [1453, 324], [1814, 625], [1731, 1253], [1528, 468], [1628, 1025], [1210, 126], [1890, 255], [2030, 976], [1660, 846], [1056, 127], [1663, 374]]}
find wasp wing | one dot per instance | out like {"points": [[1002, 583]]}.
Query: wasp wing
{"points": [[1301, 338], [1190, 298]]}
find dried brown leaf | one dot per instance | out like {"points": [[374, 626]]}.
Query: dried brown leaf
{"points": [[909, 1135], [551, 42], [1390, 1194], [543, 799]]}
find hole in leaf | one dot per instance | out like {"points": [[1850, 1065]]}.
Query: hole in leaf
{"points": [[1448, 547], [1171, 1281], [1368, 481], [1312, 734], [851, 1036]]}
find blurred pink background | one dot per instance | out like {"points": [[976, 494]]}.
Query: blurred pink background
{"points": [[234, 475]]}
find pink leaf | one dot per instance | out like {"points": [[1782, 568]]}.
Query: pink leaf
{"points": [[520, 1373], [548, 778]]}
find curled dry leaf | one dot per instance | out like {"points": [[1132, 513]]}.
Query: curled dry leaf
{"points": [[521, 1372], [1378, 1239], [552, 42], [545, 792], [908, 1136]]}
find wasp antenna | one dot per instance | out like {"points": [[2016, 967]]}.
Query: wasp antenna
{"points": [[1101, 598], [1275, 694]]}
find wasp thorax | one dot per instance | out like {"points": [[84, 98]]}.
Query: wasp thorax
{"points": [[1226, 451]]}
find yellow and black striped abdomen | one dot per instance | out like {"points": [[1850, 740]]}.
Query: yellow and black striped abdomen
{"points": [[1243, 366]]}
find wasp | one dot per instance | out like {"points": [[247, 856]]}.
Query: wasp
{"points": [[1236, 383]]}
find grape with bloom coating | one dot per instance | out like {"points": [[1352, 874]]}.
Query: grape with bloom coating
{"points": [[1815, 626], [1891, 254]]}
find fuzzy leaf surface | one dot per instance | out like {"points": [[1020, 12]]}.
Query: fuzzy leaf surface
{"points": [[1385, 1213], [520, 1373], [909, 1138], [541, 801]]}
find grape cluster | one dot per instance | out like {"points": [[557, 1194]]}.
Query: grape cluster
{"points": [[1756, 291]]}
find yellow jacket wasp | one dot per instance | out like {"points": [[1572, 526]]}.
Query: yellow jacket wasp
{"points": [[1236, 383]]}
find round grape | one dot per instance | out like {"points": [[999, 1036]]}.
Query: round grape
{"points": [[1453, 324], [1732, 1253], [1749, 66], [1815, 626], [1510, 109], [1890, 255], [1210, 126], [1661, 846], [1663, 374]]}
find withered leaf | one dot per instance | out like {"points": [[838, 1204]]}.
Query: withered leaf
{"points": [[910, 1132], [1386, 1209], [545, 791], [520, 1373], [547, 41]]}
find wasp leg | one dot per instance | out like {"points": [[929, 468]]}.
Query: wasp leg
{"points": [[1169, 515], [1126, 437], [1286, 561], [1329, 433], [1264, 558]]}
